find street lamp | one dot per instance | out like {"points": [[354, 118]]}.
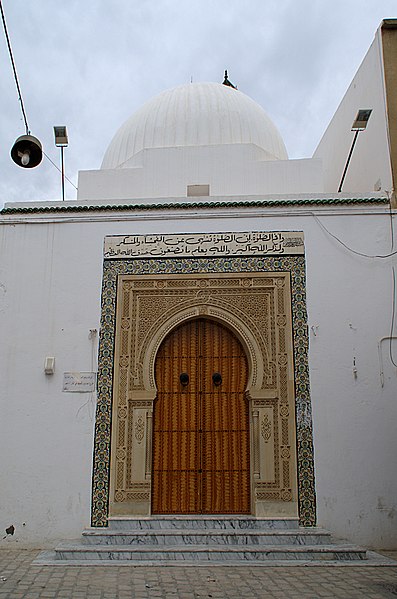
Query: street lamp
{"points": [[27, 151], [61, 141], [360, 123]]}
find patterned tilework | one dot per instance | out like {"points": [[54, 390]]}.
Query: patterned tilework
{"points": [[76, 207], [295, 265]]}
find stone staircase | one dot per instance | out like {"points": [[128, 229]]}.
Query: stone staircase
{"points": [[210, 540]]}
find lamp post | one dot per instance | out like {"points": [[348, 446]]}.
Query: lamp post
{"points": [[359, 124], [61, 141]]}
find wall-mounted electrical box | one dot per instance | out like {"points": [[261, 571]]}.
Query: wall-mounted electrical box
{"points": [[49, 365]]}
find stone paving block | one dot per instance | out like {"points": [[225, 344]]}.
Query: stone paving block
{"points": [[26, 581]]}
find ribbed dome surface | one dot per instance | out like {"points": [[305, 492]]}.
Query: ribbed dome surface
{"points": [[196, 114]]}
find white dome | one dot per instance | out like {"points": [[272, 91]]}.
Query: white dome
{"points": [[195, 114]]}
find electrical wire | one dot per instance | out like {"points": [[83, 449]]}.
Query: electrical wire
{"points": [[57, 167], [393, 310], [393, 316], [19, 89], [392, 253], [14, 69]]}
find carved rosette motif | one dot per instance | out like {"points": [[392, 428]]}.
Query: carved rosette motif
{"points": [[149, 306]]}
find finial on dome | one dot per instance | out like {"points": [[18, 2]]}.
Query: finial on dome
{"points": [[227, 82]]}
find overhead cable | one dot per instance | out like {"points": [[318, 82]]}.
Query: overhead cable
{"points": [[57, 167], [14, 69]]}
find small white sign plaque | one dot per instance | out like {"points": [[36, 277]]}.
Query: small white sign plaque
{"points": [[79, 382]]}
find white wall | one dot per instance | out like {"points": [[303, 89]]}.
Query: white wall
{"points": [[229, 170], [370, 162], [50, 274], [350, 302], [50, 301]]}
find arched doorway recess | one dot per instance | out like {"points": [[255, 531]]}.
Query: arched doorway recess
{"points": [[201, 435], [255, 310]]}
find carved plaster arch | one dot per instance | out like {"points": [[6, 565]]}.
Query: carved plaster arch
{"points": [[257, 361]]}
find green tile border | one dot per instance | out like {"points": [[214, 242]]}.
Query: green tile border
{"points": [[86, 207]]}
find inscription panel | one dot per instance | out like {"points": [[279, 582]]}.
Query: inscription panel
{"points": [[205, 244]]}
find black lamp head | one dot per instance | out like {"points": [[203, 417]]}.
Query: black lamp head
{"points": [[27, 151]]}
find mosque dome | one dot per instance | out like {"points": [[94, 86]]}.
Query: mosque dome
{"points": [[195, 114]]}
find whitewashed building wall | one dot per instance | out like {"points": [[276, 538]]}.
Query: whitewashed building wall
{"points": [[50, 285]]}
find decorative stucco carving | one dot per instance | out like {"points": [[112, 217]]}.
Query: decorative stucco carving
{"points": [[266, 428], [254, 308], [154, 307]]}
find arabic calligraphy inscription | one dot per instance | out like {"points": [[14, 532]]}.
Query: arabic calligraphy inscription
{"points": [[205, 244]]}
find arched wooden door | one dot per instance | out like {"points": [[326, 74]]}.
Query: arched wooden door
{"points": [[201, 423]]}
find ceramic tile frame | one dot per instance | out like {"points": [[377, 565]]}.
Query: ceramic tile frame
{"points": [[112, 269]]}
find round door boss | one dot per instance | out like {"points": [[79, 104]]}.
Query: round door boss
{"points": [[184, 378], [217, 379]]}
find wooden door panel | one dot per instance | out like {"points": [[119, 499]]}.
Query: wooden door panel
{"points": [[176, 492], [201, 430], [225, 452], [219, 413], [225, 492], [169, 370], [177, 412], [176, 451]]}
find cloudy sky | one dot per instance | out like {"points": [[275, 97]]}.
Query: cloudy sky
{"points": [[89, 65]]}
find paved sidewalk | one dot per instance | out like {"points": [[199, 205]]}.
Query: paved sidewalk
{"points": [[20, 579]]}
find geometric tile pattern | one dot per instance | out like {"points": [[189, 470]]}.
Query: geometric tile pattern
{"points": [[295, 265]]}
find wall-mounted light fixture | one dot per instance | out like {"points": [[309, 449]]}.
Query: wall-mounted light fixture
{"points": [[360, 123]]}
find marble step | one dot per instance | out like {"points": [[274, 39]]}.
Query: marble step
{"points": [[104, 536], [227, 522], [205, 553], [228, 540]]}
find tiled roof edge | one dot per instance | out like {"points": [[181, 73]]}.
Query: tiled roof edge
{"points": [[196, 205]]}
